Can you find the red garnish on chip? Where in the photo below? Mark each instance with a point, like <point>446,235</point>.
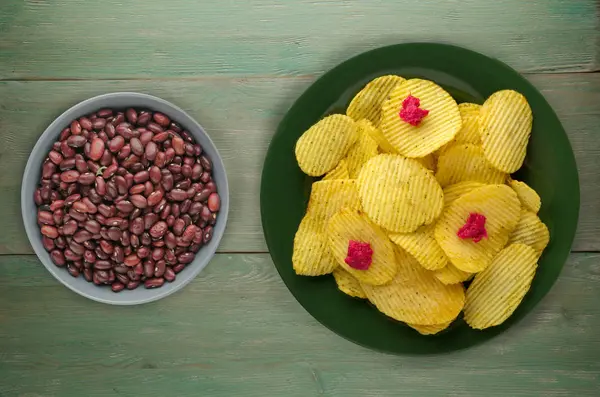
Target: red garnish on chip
<point>474,228</point>
<point>410,112</point>
<point>360,255</point>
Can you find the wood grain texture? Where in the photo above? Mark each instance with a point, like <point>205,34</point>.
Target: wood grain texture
<point>182,38</point>
<point>236,330</point>
<point>241,115</point>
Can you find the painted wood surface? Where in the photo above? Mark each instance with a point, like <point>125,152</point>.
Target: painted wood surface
<point>237,66</point>
<point>237,331</point>
<point>139,38</point>
<point>241,115</point>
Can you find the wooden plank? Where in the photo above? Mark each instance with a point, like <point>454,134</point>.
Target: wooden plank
<point>236,330</point>
<point>132,39</point>
<point>241,116</point>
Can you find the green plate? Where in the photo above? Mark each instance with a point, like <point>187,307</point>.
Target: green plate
<point>469,77</point>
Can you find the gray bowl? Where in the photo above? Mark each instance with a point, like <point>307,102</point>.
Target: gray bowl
<point>31,177</point>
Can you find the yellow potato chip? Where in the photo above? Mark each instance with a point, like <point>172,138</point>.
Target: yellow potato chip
<point>414,296</point>
<point>435,130</point>
<point>375,133</point>
<point>399,194</point>
<point>421,244</point>
<point>530,231</point>
<point>311,256</point>
<point>452,192</point>
<point>529,197</point>
<point>351,225</point>
<point>505,126</point>
<point>367,103</point>
<point>451,275</point>
<point>469,133</point>
<point>428,162</point>
<point>339,172</point>
<point>364,148</point>
<point>502,210</point>
<point>430,329</point>
<point>466,162</point>
<point>329,197</point>
<point>324,144</point>
<point>496,292</point>
<point>348,284</point>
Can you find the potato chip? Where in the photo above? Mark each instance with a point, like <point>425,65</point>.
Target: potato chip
<point>530,231</point>
<point>496,292</point>
<point>428,162</point>
<point>348,284</point>
<point>339,172</point>
<point>505,126</point>
<point>329,197</point>
<point>351,225</point>
<point>415,296</point>
<point>311,256</point>
<point>324,144</point>
<point>399,194</point>
<point>367,103</point>
<point>451,275</point>
<point>502,210</point>
<point>430,329</point>
<point>466,162</point>
<point>469,132</point>
<point>364,148</point>
<point>529,197</point>
<point>453,192</point>
<point>421,244</point>
<point>435,130</point>
<point>375,133</point>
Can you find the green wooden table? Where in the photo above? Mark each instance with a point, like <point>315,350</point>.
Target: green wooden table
<point>237,66</point>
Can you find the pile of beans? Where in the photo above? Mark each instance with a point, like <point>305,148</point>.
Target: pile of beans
<point>126,198</point>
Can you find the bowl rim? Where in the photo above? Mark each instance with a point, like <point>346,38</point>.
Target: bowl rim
<point>33,233</point>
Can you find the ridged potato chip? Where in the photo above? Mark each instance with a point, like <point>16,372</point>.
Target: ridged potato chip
<point>430,329</point>
<point>502,210</point>
<point>416,297</point>
<point>466,162</point>
<point>421,244</point>
<point>364,149</point>
<point>496,292</point>
<point>348,284</point>
<point>329,197</point>
<point>367,103</point>
<point>469,133</point>
<point>311,256</point>
<point>324,144</point>
<point>452,192</point>
<point>451,275</point>
<point>505,126</point>
<point>375,133</point>
<point>399,194</point>
<point>529,197</point>
<point>530,231</point>
<point>339,172</point>
<point>351,225</point>
<point>435,130</point>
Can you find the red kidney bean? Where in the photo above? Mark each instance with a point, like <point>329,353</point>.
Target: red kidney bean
<point>48,243</point>
<point>139,201</point>
<point>178,268</point>
<point>177,195</point>
<point>66,150</point>
<point>70,255</point>
<point>58,258</point>
<point>157,253</point>
<point>160,137</point>
<point>99,123</point>
<point>85,123</point>
<point>86,179</point>
<point>75,127</point>
<point>154,282</point>
<point>76,141</point>
<point>178,145</point>
<point>104,113</point>
<point>185,258</point>
<point>107,247</point>
<point>148,269</point>
<point>170,240</point>
<point>55,157</point>
<point>96,149</point>
<point>158,230</point>
<point>82,235</point>
<point>67,164</point>
<point>125,206</point>
<point>45,218</point>
<point>137,226</point>
<point>48,169</point>
<point>131,260</point>
<point>160,160</point>
<point>169,275</point>
<point>106,159</point>
<point>49,231</point>
<point>136,147</point>
<point>116,144</point>
<point>155,197</point>
<point>154,127</point>
<point>117,286</point>
<point>102,265</point>
<point>143,118</point>
<point>131,115</point>
<point>79,206</point>
<point>214,202</point>
<point>159,268</point>
<point>161,119</point>
<point>92,226</point>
